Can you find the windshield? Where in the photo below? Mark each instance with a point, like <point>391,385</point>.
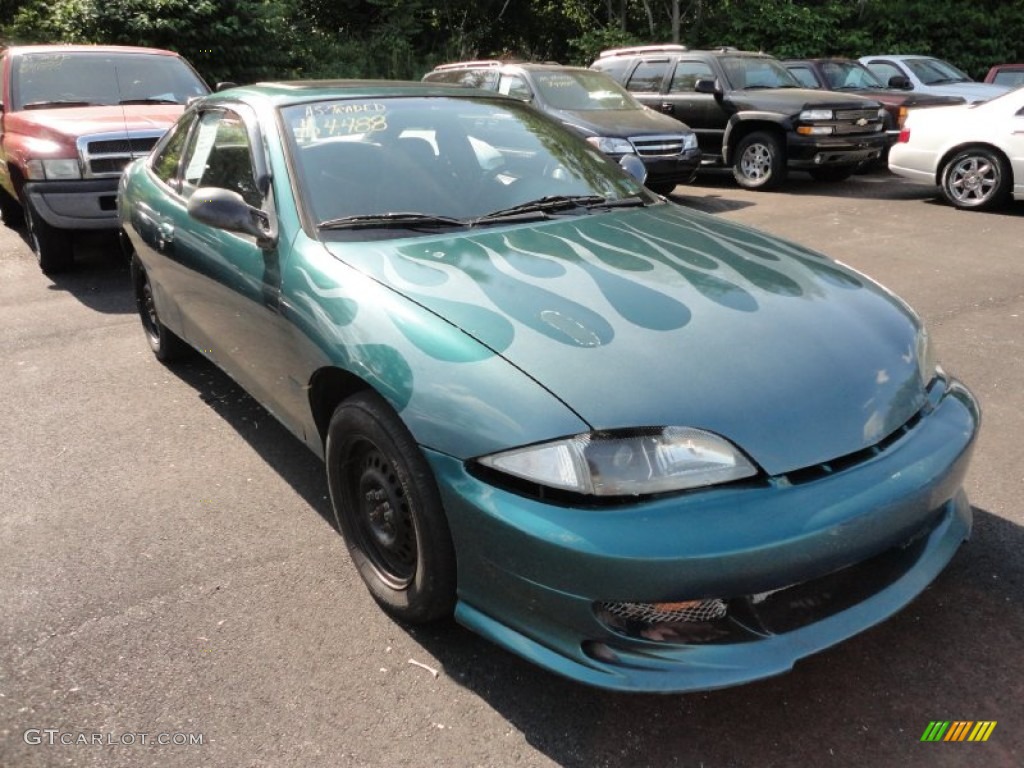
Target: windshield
<point>936,71</point>
<point>582,91</point>
<point>440,161</point>
<point>749,72</point>
<point>845,75</point>
<point>46,80</point>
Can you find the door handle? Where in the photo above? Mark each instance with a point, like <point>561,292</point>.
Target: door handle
<point>666,107</point>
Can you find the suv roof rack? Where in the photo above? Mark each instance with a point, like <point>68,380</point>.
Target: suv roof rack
<point>470,64</point>
<point>632,49</point>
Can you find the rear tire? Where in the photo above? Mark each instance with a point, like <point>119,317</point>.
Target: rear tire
<point>53,247</point>
<point>976,179</point>
<point>759,162</point>
<point>389,510</point>
<point>166,345</point>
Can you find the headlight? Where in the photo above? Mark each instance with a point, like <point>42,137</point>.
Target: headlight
<point>632,463</point>
<point>54,169</point>
<point>689,141</point>
<point>816,114</point>
<point>611,146</point>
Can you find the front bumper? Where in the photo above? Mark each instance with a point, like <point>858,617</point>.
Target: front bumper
<point>807,152</point>
<point>681,168</point>
<point>533,576</point>
<point>84,204</point>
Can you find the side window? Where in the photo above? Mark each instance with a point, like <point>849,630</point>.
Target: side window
<point>219,156</point>
<point>804,76</point>
<point>648,76</point>
<point>686,75</point>
<point>515,86</point>
<point>884,70</point>
<point>166,161</point>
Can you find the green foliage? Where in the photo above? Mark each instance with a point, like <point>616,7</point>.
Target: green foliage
<point>245,40</point>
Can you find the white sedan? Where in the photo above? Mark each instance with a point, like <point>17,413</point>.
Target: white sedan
<point>974,152</point>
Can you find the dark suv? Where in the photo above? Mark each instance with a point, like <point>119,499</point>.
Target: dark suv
<point>596,107</point>
<point>750,113</point>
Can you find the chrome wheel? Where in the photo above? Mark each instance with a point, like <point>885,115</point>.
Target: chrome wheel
<point>756,162</point>
<point>759,162</point>
<point>976,178</point>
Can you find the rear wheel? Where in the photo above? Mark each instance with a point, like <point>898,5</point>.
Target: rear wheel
<point>166,346</point>
<point>833,173</point>
<point>52,246</point>
<point>389,510</point>
<point>759,161</point>
<point>976,178</point>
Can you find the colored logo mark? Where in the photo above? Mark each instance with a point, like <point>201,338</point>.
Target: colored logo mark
<point>958,730</point>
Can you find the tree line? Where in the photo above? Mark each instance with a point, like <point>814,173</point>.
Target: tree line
<point>250,40</point>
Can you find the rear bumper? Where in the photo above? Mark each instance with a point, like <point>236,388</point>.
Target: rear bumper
<point>801,567</point>
<point>86,204</point>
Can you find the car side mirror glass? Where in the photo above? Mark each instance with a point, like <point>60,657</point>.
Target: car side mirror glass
<point>634,166</point>
<point>706,85</point>
<point>225,209</point>
<point>899,81</point>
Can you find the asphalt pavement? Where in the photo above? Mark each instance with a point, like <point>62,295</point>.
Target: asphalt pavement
<point>173,593</point>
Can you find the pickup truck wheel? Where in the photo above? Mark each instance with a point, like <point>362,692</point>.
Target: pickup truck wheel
<point>661,187</point>
<point>833,173</point>
<point>166,346</point>
<point>10,210</point>
<point>977,179</point>
<point>760,162</point>
<point>52,246</point>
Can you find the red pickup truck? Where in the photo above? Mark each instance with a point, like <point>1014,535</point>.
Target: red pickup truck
<point>71,118</point>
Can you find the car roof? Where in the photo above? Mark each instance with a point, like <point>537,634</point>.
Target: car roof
<point>18,50</point>
<point>287,92</point>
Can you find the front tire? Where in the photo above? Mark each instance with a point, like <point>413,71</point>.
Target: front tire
<point>662,187</point>
<point>53,247</point>
<point>759,162</point>
<point>833,172</point>
<point>10,210</point>
<point>389,510</point>
<point>166,345</point>
<point>976,179</point>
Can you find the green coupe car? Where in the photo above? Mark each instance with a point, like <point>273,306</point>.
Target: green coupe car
<point>640,446</point>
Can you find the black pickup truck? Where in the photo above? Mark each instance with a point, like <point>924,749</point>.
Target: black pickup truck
<point>750,113</point>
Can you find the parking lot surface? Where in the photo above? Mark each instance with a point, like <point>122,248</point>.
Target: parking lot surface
<point>168,571</point>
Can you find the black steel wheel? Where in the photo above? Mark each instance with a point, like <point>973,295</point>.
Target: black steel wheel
<point>388,508</point>
<point>976,179</point>
<point>166,345</point>
<point>759,161</point>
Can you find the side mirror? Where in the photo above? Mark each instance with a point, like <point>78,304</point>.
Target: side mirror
<point>901,82</point>
<point>706,85</point>
<point>224,209</point>
<point>634,166</point>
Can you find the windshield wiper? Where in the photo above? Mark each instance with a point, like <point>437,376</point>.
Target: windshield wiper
<point>554,203</point>
<point>58,103</point>
<point>381,220</point>
<point>152,100</point>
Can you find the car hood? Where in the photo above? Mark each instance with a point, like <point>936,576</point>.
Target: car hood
<point>620,123</point>
<point>662,316</point>
<point>81,121</point>
<point>893,96</point>
<point>969,91</point>
<point>793,100</point>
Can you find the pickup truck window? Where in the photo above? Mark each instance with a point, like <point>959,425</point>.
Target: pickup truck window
<point>85,79</point>
<point>648,76</point>
<point>684,79</point>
